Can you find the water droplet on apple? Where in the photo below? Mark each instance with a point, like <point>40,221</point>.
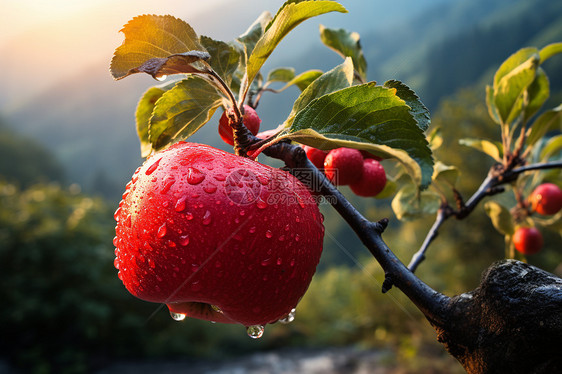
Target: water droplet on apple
<point>261,204</point>
<point>161,78</point>
<point>168,183</point>
<point>116,214</point>
<point>194,176</point>
<point>282,238</point>
<point>177,316</point>
<point>152,167</point>
<point>207,218</point>
<point>184,240</point>
<point>252,230</point>
<point>180,204</point>
<point>268,234</point>
<point>288,318</point>
<point>188,216</point>
<point>162,231</point>
<point>255,331</point>
<point>210,188</point>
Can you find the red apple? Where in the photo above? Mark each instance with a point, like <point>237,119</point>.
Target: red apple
<point>250,118</point>
<point>217,236</point>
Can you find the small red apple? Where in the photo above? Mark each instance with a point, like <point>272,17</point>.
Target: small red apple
<point>250,118</point>
<point>316,156</point>
<point>546,199</point>
<point>343,166</point>
<point>527,240</point>
<point>217,236</point>
<point>372,181</point>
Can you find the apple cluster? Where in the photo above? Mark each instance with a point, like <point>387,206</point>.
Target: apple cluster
<point>360,170</point>
<point>546,199</point>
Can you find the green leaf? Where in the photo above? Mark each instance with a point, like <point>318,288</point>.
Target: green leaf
<point>290,16</point>
<point>409,203</point>
<point>144,112</point>
<point>492,109</point>
<point>549,120</point>
<point>492,149</point>
<point>191,62</point>
<point>552,146</point>
<point>367,117</point>
<point>549,51</point>
<point>281,75</point>
<point>346,44</point>
<point>418,110</point>
<point>253,34</point>
<point>511,86</point>
<point>513,62</point>
<point>225,58</point>
<point>181,111</point>
<point>304,79</point>
<point>500,216</point>
<point>151,36</point>
<point>339,77</point>
<point>445,173</point>
<point>538,93</point>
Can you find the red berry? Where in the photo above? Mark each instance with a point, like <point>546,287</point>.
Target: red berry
<point>367,154</point>
<point>217,236</point>
<point>343,166</point>
<point>316,156</point>
<point>546,199</point>
<point>251,121</point>
<point>527,240</point>
<point>372,181</point>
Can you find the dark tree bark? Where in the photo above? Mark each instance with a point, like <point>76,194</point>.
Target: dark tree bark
<point>512,323</point>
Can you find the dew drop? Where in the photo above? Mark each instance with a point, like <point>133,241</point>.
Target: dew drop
<point>152,167</point>
<point>115,241</point>
<point>184,240</point>
<point>261,204</point>
<point>188,216</point>
<point>268,234</point>
<point>116,214</point>
<point>255,331</point>
<point>151,263</point>
<point>128,221</point>
<point>266,262</point>
<point>279,261</point>
<point>207,218</point>
<point>252,229</point>
<point>220,177</point>
<point>282,238</point>
<point>194,176</point>
<point>210,188</point>
<point>167,185</point>
<point>288,318</point>
<point>162,231</point>
<point>287,227</point>
<point>180,204</point>
<point>160,79</point>
<point>177,316</point>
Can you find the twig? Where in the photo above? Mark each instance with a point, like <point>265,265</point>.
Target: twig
<point>489,187</point>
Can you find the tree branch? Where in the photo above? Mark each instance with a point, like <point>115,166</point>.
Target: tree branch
<point>430,302</point>
<point>492,184</point>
